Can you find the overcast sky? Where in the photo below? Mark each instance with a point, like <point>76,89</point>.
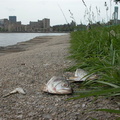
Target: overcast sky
<point>56,10</point>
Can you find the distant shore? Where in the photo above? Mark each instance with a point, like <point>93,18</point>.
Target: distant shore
<point>38,32</point>
<point>23,46</point>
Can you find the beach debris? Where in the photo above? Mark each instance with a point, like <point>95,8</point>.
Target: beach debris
<point>16,90</point>
<point>22,63</point>
<point>111,32</point>
<point>46,64</point>
<point>82,75</point>
<point>57,85</point>
<point>83,105</point>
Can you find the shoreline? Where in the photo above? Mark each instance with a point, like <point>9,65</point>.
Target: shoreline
<point>25,45</point>
<point>37,32</point>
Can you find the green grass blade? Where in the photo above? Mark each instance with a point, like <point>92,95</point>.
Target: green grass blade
<point>97,93</point>
<point>109,110</point>
<point>107,83</point>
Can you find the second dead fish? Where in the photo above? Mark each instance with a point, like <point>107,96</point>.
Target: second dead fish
<point>82,75</point>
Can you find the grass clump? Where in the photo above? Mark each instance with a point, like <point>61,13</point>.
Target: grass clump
<point>98,51</point>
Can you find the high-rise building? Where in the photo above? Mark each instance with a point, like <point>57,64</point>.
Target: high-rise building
<point>116,1</point>
<point>12,19</point>
<point>116,14</point>
<point>3,22</point>
<point>46,23</point>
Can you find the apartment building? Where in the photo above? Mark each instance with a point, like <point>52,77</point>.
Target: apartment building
<point>35,26</point>
<point>40,25</point>
<point>4,23</point>
<point>46,24</point>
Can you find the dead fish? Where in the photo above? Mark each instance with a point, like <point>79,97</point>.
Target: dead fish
<point>16,90</point>
<point>57,85</point>
<point>82,75</point>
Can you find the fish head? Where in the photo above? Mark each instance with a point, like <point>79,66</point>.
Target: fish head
<point>63,87</point>
<point>80,75</point>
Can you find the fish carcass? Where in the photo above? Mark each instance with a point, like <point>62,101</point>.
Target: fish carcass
<point>57,85</point>
<point>82,75</point>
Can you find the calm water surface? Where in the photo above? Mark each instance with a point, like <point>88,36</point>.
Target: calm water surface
<point>13,38</point>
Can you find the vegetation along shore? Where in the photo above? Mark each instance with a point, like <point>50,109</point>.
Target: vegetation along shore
<point>97,51</point>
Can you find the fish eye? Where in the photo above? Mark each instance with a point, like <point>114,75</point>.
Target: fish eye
<point>65,85</point>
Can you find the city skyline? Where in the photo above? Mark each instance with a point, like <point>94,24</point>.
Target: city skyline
<point>12,25</point>
<point>14,19</point>
<point>57,10</point>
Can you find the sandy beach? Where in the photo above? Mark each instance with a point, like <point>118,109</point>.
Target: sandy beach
<point>30,65</point>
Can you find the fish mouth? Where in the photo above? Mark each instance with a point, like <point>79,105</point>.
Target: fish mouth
<point>66,88</point>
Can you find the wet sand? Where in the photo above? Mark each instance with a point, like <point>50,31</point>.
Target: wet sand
<point>23,46</point>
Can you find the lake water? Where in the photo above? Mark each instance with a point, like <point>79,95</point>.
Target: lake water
<point>13,38</point>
